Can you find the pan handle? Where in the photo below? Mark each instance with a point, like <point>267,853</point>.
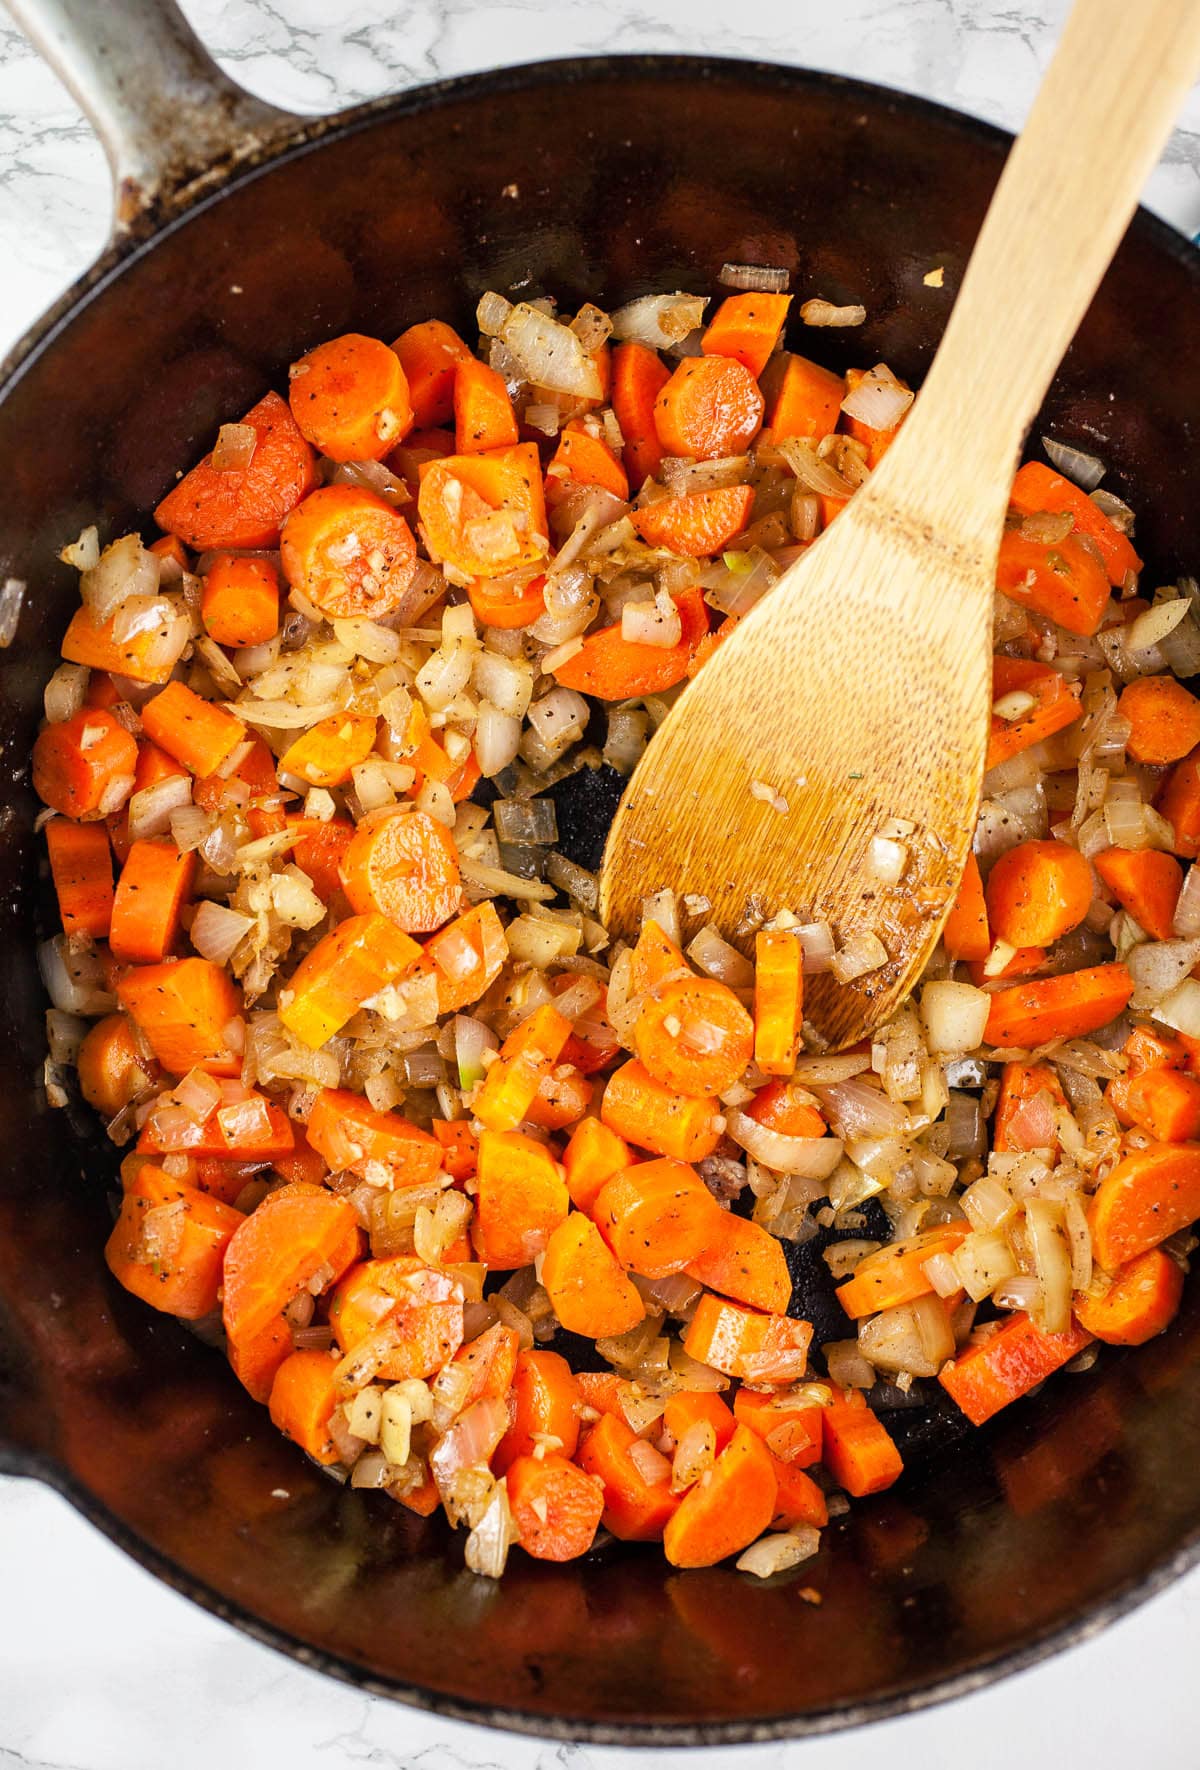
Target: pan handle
<point>170,121</point>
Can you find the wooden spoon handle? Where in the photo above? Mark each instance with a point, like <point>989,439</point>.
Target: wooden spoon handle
<point>1102,116</point>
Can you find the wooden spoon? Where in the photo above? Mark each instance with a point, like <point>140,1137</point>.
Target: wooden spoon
<point>857,693</point>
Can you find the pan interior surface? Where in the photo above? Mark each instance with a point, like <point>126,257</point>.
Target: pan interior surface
<point>600,180</point>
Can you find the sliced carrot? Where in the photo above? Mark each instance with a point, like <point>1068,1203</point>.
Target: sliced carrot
<point>555,1506</point>
<point>239,603</point>
<point>356,960</point>
<point>491,1358</point>
<point>1164,1102</point>
<point>142,656</point>
<point>295,1234</point>
<point>198,733</point>
<point>1056,705</point>
<point>617,669</point>
<point>81,866</point>
<point>423,1500</point>
<point>1179,803</point>
<point>744,1343</point>
<point>638,377</point>
<point>460,1147</point>
<point>1146,883</point>
<point>696,524</point>
<point>1142,1300</point>
<point>688,1406</point>
<point>585,1282</point>
<point>859,1451</point>
<point>991,1372</point>
<point>155,883</point>
<point>430,354</point>
<point>256,1359</point>
<point>788,1424</point>
<point>586,460</point>
<point>966,934</point>
<point>184,1009</point>
<point>1059,579</point>
<point>328,752</point>
<point>406,867</point>
<point>562,1098</point>
<point>802,399</point>
<point>170,547</point>
<point>798,1499</point>
<point>1037,488</point>
<point>593,1044</point>
<point>485,515</point>
<point>1037,892</point>
<point>744,1261</point>
<point>545,1405</point>
<point>381,1146</point>
<point>655,958</point>
<point>483,412</point>
<point>243,506</point>
<point>320,849</point>
<point>642,1111</point>
<point>421,1307</point>
<point>349,553</point>
<point>778,1001</point>
<point>169,1242</point>
<point>593,1155</point>
<point>521,1199</point>
<point>1152,1047</point>
<point>710,407</point>
<point>466,957</point>
<point>1147,1197</point>
<point>635,1510</point>
<point>778,1109</point>
<point>302,1402</point>
<point>657,1217</point>
<point>895,1274</point>
<point>84,766</point>
<point>495,604</point>
<point>1067,1007</point>
<point>111,1065</point>
<point>349,398</point>
<point>694,1036</point>
<point>527,1056</point>
<point>746,327</point>
<point>728,1507</point>
<point>1017,1125</point>
<point>1164,719</point>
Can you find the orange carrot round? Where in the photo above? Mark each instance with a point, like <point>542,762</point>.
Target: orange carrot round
<point>302,1401</point>
<point>555,1506</point>
<point>545,1402</point>
<point>727,1509</point>
<point>895,1274</point>
<point>1060,580</point>
<point>859,1451</point>
<point>422,1306</point>
<point>635,1510</point>
<point>744,1261</point>
<point>294,1234</point>
<point>777,1107</point>
<point>1067,1007</point>
<point>243,506</point>
<point>586,1284</point>
<point>638,377</point>
<point>239,603</point>
<point>81,866</point>
<point>84,766</point>
<point>1038,892</point>
<point>429,354</point>
<point>1142,1300</point>
<point>112,1069</point>
<point>778,1001</point>
<point>201,734</point>
<point>1147,1197</point>
<point>496,605</point>
<point>696,524</point>
<point>483,412</point>
<point>168,1244</point>
<point>562,1098</point>
<point>656,1217</point>
<point>1164,717</point>
<point>155,883</point>
<point>710,407</point>
<point>694,1036</point>
<point>802,398</point>
<point>183,1009</point>
<point>966,934</point>
<point>747,327</point>
<point>616,669</point>
<point>406,867</point>
<point>349,398</point>
<point>520,1199</point>
<point>585,459</point>
<point>1146,883</point>
<point>348,552</point>
<point>327,753</point>
<point>643,1111</point>
<point>485,515</point>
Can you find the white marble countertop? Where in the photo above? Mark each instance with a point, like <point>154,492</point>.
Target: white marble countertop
<point>101,1668</point>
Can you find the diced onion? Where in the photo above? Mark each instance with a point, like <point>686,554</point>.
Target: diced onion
<point>1155,624</point>
<point>497,739</point>
<point>878,400</point>
<point>217,931</point>
<point>824,313</point>
<point>658,320</point>
<point>716,958</point>
<point>12,598</point>
<point>861,954</point>
<point>1052,1259</point>
<point>1181,1009</point>
<point>1158,967</point>
<point>955,1016</point>
<point>150,811</point>
<point>811,1158</point>
<point>779,1553</point>
<point>1085,470</point>
<point>63,695</point>
<point>549,353</point>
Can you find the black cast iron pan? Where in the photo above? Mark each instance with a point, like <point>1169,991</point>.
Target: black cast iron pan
<point>245,237</point>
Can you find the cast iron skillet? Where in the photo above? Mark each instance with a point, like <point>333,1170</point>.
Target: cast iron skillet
<point>604,178</point>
